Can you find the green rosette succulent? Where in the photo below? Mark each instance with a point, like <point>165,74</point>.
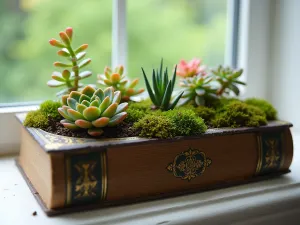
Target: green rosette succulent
<point>92,109</point>
<point>196,89</point>
<point>228,80</point>
<point>119,82</point>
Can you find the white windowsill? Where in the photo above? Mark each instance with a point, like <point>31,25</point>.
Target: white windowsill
<point>274,201</point>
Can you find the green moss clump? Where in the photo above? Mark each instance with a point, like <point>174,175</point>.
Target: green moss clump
<point>206,113</point>
<point>144,105</point>
<point>265,106</point>
<point>49,108</point>
<point>186,122</point>
<point>155,126</point>
<point>134,115</point>
<point>239,114</point>
<point>36,119</point>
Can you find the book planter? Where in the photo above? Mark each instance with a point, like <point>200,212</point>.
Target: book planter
<point>67,174</point>
<point>95,147</point>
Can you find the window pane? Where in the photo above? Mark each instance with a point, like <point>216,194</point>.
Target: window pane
<point>26,57</point>
<point>174,30</point>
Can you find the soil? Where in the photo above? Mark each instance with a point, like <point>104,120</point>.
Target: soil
<point>122,130</point>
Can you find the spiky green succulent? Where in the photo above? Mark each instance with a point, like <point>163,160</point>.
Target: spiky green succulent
<point>119,82</point>
<point>162,88</point>
<point>69,77</point>
<point>196,89</point>
<point>92,109</point>
<point>228,80</point>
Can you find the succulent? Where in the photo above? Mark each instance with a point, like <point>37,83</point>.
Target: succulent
<point>92,109</point>
<point>228,80</point>
<point>69,77</point>
<point>190,69</point>
<point>197,88</point>
<point>119,82</point>
<point>162,88</point>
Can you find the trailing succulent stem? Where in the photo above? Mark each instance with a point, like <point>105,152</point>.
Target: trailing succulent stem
<point>92,109</point>
<point>119,82</point>
<point>69,77</point>
<point>161,93</point>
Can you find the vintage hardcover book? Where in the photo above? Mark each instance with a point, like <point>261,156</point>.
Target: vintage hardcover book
<point>68,173</point>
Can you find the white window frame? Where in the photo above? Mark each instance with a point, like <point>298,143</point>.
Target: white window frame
<point>252,13</point>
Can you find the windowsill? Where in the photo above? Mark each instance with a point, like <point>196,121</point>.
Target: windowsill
<point>275,201</point>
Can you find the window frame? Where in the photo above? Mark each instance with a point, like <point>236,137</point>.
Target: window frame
<point>10,129</point>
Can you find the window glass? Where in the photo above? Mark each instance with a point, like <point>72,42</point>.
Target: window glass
<point>174,30</point>
<point>26,57</point>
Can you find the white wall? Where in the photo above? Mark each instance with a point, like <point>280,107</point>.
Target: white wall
<point>284,76</point>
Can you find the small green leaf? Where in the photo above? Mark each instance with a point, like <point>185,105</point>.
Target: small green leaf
<point>122,107</point>
<point>75,95</point>
<point>151,95</point>
<point>91,113</point>
<point>167,96</point>
<point>95,132</point>
<point>83,124</point>
<point>63,65</point>
<point>68,124</point>
<point>174,103</point>
<point>84,97</point>
<point>199,100</point>
<point>80,55</point>
<point>116,119</point>
<point>85,74</point>
<point>81,48</point>
<point>74,114</point>
<point>86,103</point>
<point>66,74</point>
<point>80,108</point>
<point>95,103</point>
<point>101,122</point>
<point>110,111</point>
<point>64,114</point>
<point>117,97</point>
<point>99,93</point>
<point>72,103</point>
<point>200,91</point>
<point>109,92</point>
<point>88,90</point>
<point>235,89</point>
<point>105,103</point>
<point>174,78</point>
<point>84,63</point>
<point>55,83</point>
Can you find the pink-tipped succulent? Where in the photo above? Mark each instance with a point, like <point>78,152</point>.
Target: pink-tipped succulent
<point>119,82</point>
<point>92,109</point>
<point>190,69</point>
<point>71,75</point>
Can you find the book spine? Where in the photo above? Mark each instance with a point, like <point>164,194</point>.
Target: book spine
<point>143,171</point>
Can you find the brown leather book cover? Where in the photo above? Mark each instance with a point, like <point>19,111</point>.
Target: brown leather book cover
<point>115,171</point>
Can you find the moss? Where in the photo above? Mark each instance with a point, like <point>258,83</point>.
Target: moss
<point>218,103</point>
<point>134,115</point>
<point>206,113</point>
<point>36,119</point>
<point>49,108</point>
<point>265,106</point>
<point>186,122</point>
<point>239,114</point>
<point>155,126</point>
<point>144,105</point>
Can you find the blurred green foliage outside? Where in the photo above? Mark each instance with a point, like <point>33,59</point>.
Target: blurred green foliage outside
<point>169,29</point>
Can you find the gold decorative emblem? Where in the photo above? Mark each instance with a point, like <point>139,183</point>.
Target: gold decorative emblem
<point>272,157</point>
<point>189,164</point>
<point>86,182</point>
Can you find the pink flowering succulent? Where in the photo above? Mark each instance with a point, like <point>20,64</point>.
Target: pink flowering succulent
<point>191,68</point>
